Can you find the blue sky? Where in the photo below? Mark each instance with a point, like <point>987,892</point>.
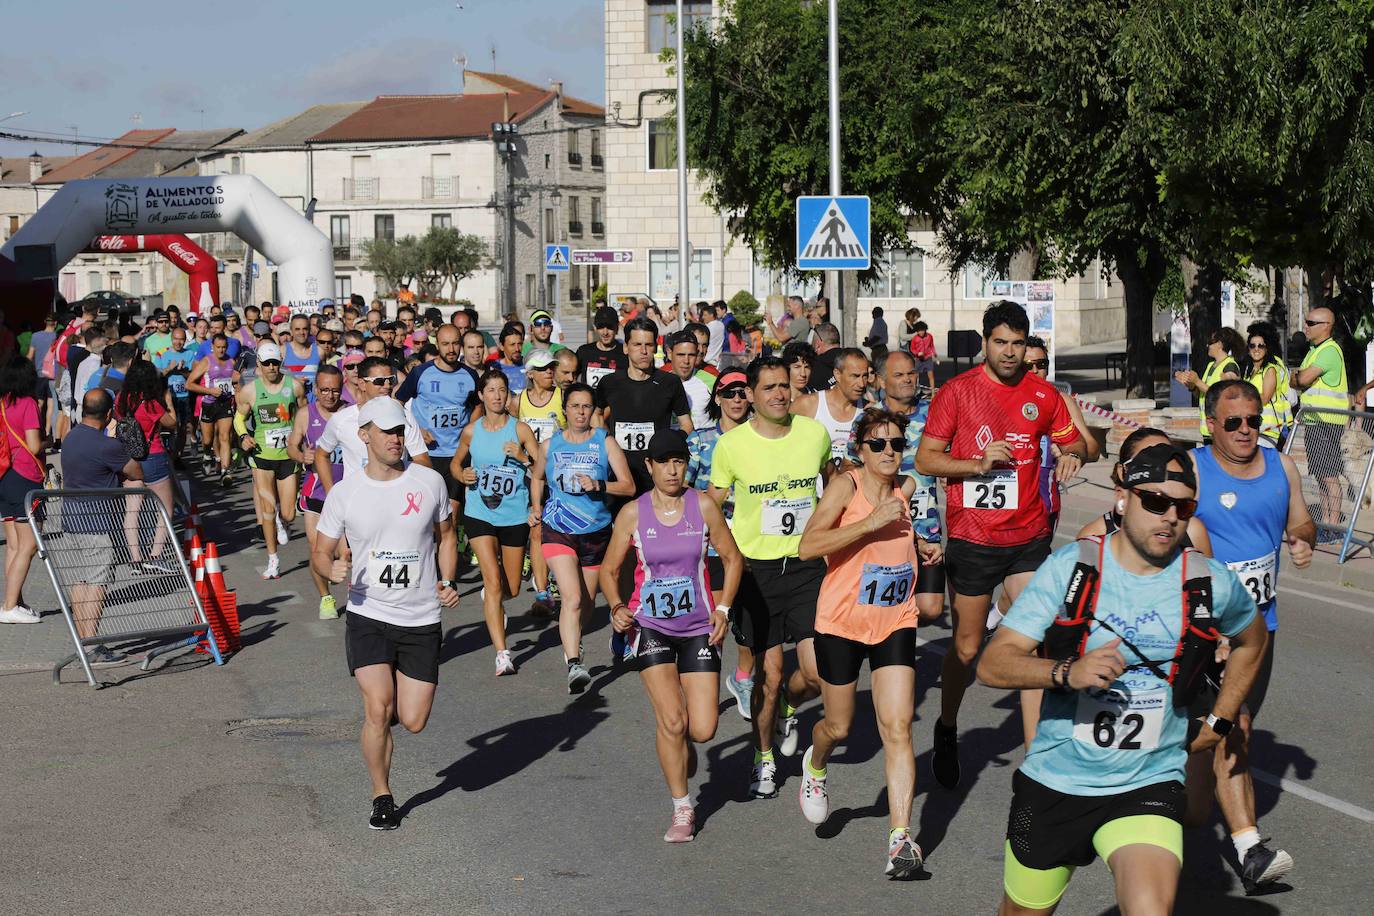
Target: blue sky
<point>94,64</point>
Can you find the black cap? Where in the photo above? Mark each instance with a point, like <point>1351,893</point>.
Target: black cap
<point>1151,465</point>
<point>666,443</point>
<point>606,317</point>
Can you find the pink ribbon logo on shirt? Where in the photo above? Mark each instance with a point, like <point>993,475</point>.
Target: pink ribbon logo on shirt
<point>412,503</point>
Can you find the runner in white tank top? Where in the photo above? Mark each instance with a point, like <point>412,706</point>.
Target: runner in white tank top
<point>851,378</point>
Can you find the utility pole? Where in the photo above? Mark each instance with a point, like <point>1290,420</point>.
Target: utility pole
<point>683,246</point>
<point>503,133</point>
<point>833,285</point>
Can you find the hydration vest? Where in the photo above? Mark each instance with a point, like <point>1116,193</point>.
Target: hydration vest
<point>1067,637</point>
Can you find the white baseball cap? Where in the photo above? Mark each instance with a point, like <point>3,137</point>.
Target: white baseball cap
<point>383,413</point>
<point>269,351</point>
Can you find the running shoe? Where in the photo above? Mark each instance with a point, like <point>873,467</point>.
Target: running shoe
<point>282,534</point>
<point>105,657</point>
<point>763,780</point>
<point>815,801</point>
<point>1263,866</point>
<point>787,735</point>
<point>504,665</point>
<point>904,857</point>
<point>578,676</point>
<point>944,758</point>
<point>328,610</point>
<point>542,606</point>
<point>684,826</point>
<point>526,569</point>
<point>742,691</point>
<point>18,614</point>
<point>226,479</point>
<point>273,570</point>
<point>555,596</point>
<point>383,814</point>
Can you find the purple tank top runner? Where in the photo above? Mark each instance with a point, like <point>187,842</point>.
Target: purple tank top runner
<point>671,594</point>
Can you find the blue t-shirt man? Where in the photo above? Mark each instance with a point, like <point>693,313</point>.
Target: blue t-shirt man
<point>91,461</point>
<point>440,402</point>
<point>1093,742</point>
<point>203,350</point>
<point>175,365</point>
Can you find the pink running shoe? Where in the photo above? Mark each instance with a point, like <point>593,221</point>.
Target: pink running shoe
<point>684,826</point>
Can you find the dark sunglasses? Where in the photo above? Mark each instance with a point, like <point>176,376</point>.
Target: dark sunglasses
<point>542,323</point>
<point>1158,503</point>
<point>1312,324</point>
<point>381,380</point>
<point>1231,424</point>
<point>1042,364</point>
<point>878,446</point>
<point>1259,346</point>
<point>269,362</point>
<point>325,340</point>
<point>732,394</point>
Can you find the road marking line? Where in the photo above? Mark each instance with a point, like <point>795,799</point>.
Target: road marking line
<point>1285,785</point>
<point>1365,608</point>
<point>1312,795</point>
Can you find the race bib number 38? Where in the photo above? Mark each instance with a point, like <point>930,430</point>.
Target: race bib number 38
<point>1259,576</point>
<point>1113,720</point>
<point>393,568</point>
<point>994,490</point>
<point>785,517</point>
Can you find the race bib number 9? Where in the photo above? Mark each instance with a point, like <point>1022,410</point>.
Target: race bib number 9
<point>1259,576</point>
<point>666,598</point>
<point>992,491</point>
<point>1113,720</point>
<point>785,517</point>
<point>634,437</point>
<point>885,586</point>
<point>276,438</point>
<point>394,568</point>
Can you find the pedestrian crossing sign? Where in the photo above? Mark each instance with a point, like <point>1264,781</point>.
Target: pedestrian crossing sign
<point>556,257</point>
<point>833,233</point>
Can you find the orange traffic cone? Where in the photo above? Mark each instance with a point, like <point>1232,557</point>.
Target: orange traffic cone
<point>214,573</point>
<point>193,553</point>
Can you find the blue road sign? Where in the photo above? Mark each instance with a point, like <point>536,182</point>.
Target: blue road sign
<point>556,257</point>
<point>833,233</point>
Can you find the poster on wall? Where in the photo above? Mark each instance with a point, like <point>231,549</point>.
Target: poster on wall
<point>1228,304</point>
<point>1037,298</point>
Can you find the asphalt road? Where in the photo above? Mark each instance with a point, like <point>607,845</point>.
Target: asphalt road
<point>240,789</point>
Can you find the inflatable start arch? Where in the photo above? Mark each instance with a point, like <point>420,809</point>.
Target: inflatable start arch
<point>202,271</point>
<point>240,204</point>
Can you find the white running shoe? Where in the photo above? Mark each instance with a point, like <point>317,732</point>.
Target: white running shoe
<point>282,534</point>
<point>273,570</point>
<point>18,614</point>
<point>815,801</point>
<point>504,665</point>
<point>763,780</point>
<point>787,735</point>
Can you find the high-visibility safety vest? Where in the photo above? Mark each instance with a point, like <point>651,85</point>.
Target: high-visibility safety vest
<point>1278,413</point>
<point>1210,376</point>
<point>1319,396</point>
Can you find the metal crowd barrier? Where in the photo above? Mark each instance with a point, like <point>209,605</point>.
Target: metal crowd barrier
<point>1334,462</point>
<point>118,571</point>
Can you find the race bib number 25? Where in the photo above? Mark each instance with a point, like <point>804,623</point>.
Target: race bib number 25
<point>994,490</point>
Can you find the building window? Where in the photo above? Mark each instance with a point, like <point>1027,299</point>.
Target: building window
<point>903,278</point>
<point>339,237</point>
<point>574,216</point>
<point>978,282</point>
<point>235,285</point>
<point>116,281</point>
<point>662,144</point>
<point>550,228</point>
<point>235,165</point>
<point>660,31</point>
<point>14,225</point>
<point>531,290</point>
<point>769,282</point>
<point>135,283</point>
<point>276,291</point>
<point>663,275</point>
<point>547,161</point>
<point>597,161</point>
<point>384,227</point>
<point>598,223</point>
<point>343,287</point>
<point>574,148</point>
<point>441,220</point>
<point>92,281</point>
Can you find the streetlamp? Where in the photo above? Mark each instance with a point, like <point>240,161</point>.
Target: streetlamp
<point>554,195</point>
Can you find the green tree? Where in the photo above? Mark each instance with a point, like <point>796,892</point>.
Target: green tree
<point>386,259</point>
<point>745,308</point>
<point>448,257</point>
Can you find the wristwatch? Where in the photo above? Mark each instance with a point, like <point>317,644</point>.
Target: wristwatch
<point>1219,725</point>
<point>449,583</point>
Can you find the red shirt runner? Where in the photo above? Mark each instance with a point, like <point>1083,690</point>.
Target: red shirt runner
<point>1002,508</point>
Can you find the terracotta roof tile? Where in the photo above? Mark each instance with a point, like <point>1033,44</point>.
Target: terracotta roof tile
<point>102,157</point>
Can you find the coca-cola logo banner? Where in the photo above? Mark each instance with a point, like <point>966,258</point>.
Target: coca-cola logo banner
<point>194,200</point>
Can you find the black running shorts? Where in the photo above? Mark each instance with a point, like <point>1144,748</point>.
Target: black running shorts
<point>977,569</point>
<point>779,602</point>
<point>281,468</point>
<point>413,651</point>
<point>838,660</point>
<point>506,535</point>
<point>691,654</point>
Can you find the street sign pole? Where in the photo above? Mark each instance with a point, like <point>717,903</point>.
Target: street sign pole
<point>682,263</point>
<point>833,287</point>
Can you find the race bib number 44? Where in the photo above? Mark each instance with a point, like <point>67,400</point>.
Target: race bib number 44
<point>1114,720</point>
<point>393,569</point>
<point>1259,576</point>
<point>634,437</point>
<point>785,517</point>
<point>993,490</point>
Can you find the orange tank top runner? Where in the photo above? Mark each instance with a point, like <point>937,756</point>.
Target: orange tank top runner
<point>869,591</point>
